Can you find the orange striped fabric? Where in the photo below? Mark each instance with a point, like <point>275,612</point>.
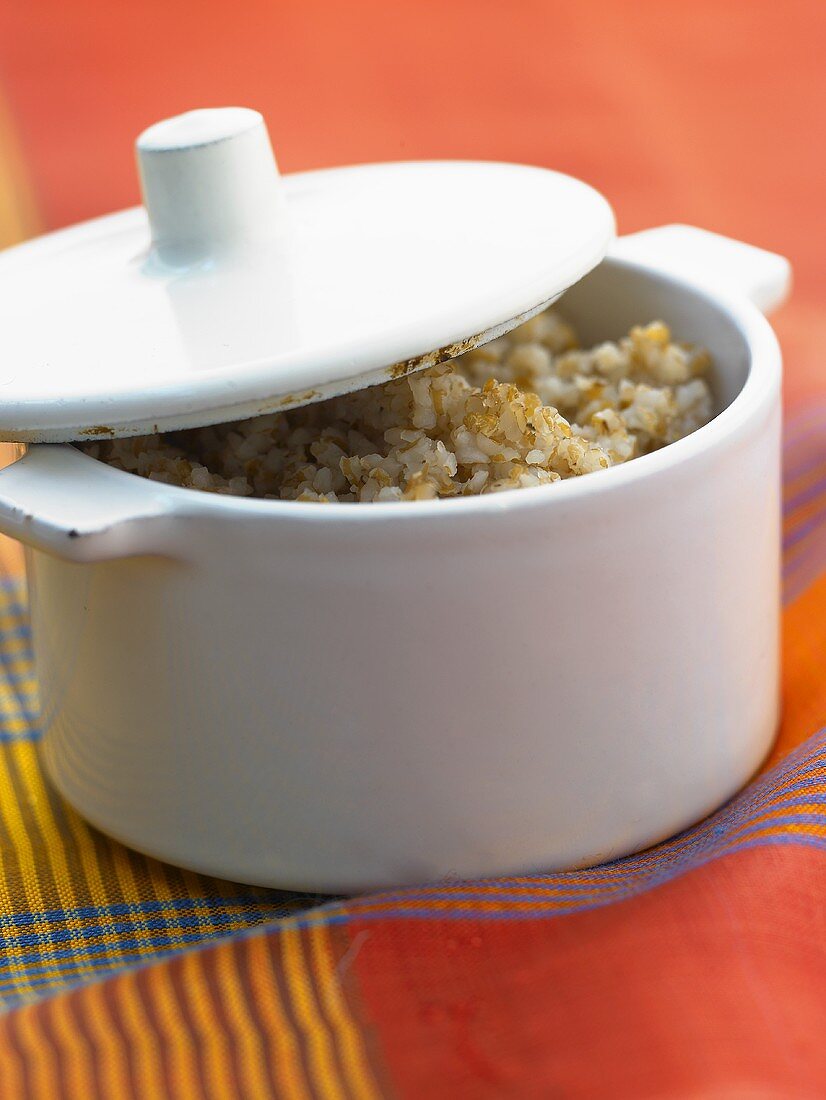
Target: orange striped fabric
<point>265,1018</point>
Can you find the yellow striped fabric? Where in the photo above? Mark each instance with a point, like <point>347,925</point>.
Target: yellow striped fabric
<point>265,1016</point>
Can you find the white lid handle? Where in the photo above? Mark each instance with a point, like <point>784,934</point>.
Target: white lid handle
<point>210,183</point>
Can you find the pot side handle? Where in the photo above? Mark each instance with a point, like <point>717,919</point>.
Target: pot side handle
<point>714,262</point>
<point>49,501</point>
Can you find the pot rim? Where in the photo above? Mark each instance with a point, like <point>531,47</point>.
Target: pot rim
<point>759,390</point>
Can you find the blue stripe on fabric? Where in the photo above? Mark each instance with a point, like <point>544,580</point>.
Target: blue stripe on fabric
<point>119,950</point>
<point>23,706</point>
<point>136,908</point>
<point>91,931</point>
<point>15,679</point>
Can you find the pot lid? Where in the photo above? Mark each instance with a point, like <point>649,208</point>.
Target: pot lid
<point>236,291</point>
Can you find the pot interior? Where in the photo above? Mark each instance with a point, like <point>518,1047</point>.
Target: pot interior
<point>616,295</point>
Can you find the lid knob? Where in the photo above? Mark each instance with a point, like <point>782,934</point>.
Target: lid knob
<point>210,183</point>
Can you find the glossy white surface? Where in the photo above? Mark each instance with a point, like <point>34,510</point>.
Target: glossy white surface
<point>210,187</point>
<point>351,696</point>
<point>261,292</point>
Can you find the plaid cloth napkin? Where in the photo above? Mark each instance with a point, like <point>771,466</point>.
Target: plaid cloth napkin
<point>694,969</point>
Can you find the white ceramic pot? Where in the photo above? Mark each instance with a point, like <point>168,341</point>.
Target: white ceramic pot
<point>349,696</point>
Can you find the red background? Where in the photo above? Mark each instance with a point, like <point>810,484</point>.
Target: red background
<point>708,112</point>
